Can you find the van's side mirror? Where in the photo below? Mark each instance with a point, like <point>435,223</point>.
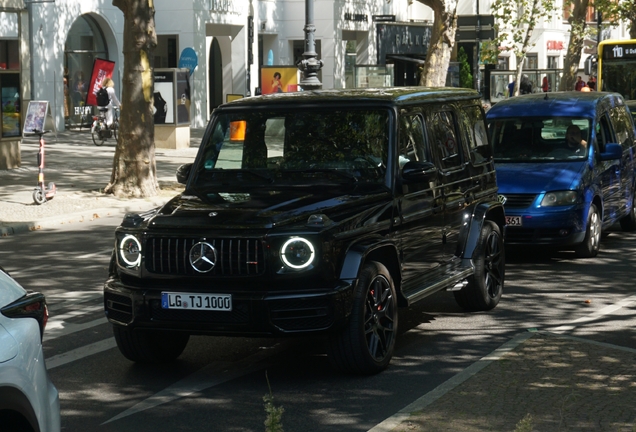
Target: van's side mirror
<point>612,151</point>
<point>415,171</point>
<point>183,172</point>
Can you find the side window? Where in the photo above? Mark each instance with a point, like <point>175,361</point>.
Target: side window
<point>622,126</point>
<point>412,140</point>
<point>478,144</point>
<point>603,133</point>
<point>443,137</point>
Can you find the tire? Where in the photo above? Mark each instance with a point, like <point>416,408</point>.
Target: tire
<point>39,197</point>
<point>485,286</point>
<point>98,139</point>
<point>592,241</point>
<point>366,344</point>
<point>115,129</point>
<point>150,346</point>
<point>628,223</point>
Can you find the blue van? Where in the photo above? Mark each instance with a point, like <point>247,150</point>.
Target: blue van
<point>565,167</point>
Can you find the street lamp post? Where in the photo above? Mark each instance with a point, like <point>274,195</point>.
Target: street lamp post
<point>310,64</point>
<point>250,53</point>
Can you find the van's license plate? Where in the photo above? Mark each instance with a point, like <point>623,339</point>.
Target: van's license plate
<point>196,301</point>
<point>513,220</point>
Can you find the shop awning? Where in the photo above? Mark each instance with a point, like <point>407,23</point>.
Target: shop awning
<point>405,59</point>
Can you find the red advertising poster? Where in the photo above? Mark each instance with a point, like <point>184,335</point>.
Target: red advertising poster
<point>101,69</point>
<point>279,79</point>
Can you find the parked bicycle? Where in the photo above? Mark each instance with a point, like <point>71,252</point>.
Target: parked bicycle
<point>100,131</point>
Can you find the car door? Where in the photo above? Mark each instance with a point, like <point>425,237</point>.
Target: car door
<point>455,180</point>
<point>609,171</point>
<point>624,133</point>
<point>421,215</point>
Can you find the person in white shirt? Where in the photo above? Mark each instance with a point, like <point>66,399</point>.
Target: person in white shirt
<point>109,84</point>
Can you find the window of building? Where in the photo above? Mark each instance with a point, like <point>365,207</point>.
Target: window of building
<point>9,55</point>
<point>553,62</point>
<point>503,63</point>
<point>10,99</point>
<point>531,61</point>
<point>166,53</point>
<point>84,43</point>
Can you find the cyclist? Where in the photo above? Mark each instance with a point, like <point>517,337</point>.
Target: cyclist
<point>109,85</point>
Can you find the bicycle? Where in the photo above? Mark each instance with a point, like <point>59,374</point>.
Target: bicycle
<point>99,131</point>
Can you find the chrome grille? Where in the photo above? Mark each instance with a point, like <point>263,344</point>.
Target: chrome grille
<point>235,257</point>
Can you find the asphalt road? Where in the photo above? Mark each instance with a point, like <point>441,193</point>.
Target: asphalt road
<point>218,383</point>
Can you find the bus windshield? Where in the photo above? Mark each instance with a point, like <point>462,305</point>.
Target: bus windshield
<point>620,77</point>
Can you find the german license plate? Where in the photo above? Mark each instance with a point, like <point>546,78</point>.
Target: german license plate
<point>196,301</point>
<point>513,220</point>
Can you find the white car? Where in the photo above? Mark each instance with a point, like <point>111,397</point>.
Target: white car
<point>29,401</point>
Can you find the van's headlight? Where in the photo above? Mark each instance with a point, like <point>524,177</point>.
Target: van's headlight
<point>129,249</point>
<point>560,198</point>
<point>297,253</point>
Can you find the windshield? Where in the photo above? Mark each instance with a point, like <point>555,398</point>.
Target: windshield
<point>619,77</point>
<point>540,139</point>
<point>296,146</point>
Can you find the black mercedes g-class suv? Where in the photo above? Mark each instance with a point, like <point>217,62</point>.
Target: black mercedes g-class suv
<point>315,212</point>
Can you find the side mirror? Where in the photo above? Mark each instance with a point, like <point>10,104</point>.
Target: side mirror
<point>418,171</point>
<point>183,172</point>
<point>612,151</point>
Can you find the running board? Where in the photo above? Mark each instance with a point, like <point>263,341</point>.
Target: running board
<point>451,282</point>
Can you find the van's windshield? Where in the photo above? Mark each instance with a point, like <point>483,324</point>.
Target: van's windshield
<point>540,139</point>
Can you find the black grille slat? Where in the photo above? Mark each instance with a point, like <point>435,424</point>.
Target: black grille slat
<point>235,257</point>
<point>519,200</point>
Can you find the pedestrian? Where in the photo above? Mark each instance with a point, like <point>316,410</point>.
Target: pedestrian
<point>511,88</point>
<point>579,83</point>
<point>109,85</point>
<point>592,83</point>
<point>545,86</point>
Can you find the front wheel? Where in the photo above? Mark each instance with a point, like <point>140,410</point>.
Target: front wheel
<point>39,197</point>
<point>485,286</point>
<point>366,345</point>
<point>98,138</point>
<point>150,346</point>
<point>592,241</point>
<point>115,129</point>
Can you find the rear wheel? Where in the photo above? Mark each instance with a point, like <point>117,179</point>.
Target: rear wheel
<point>115,129</point>
<point>367,343</point>
<point>96,132</point>
<point>485,286</point>
<point>150,346</point>
<point>39,197</point>
<point>592,241</point>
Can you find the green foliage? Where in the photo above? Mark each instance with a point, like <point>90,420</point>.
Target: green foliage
<point>273,422</point>
<point>465,75</point>
<point>614,12</point>
<point>525,424</point>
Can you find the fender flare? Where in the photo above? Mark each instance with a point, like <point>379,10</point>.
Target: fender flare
<point>357,254</point>
<point>493,211</point>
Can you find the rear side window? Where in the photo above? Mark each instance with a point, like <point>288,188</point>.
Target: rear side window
<point>444,138</point>
<point>622,126</point>
<point>478,144</point>
<point>412,141</point>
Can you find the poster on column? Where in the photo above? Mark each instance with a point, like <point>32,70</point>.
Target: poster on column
<point>183,97</point>
<point>164,97</point>
<point>279,79</point>
<point>102,69</point>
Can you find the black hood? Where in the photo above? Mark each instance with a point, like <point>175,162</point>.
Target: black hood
<point>261,208</point>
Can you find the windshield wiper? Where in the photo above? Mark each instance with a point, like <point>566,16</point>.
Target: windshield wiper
<point>340,173</point>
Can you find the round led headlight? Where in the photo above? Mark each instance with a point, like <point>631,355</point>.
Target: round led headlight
<point>297,253</point>
<point>130,251</point>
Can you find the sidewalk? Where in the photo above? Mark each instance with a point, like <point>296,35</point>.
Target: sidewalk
<point>80,170</point>
<point>561,383</point>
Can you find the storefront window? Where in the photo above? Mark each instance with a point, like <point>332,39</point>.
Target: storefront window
<point>84,44</point>
<point>9,55</point>
<point>10,99</point>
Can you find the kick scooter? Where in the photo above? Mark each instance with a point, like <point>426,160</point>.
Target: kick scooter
<point>42,193</point>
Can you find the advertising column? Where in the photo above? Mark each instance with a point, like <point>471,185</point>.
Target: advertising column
<point>172,108</point>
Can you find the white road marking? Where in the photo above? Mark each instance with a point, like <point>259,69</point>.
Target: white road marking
<point>61,328</point>
<point>595,315</point>
<point>80,353</point>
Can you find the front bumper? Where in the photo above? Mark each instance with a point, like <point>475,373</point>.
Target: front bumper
<point>553,228</point>
<point>253,313</point>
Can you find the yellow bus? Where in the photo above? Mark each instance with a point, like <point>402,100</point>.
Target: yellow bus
<point>617,67</point>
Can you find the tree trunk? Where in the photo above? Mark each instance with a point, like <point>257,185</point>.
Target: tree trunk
<point>632,29</point>
<point>442,42</point>
<point>524,51</point>
<point>573,54</point>
<point>134,166</point>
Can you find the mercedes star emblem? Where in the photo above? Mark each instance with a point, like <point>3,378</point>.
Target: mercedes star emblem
<point>203,257</point>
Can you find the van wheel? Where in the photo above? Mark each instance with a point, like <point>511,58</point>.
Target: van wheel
<point>150,346</point>
<point>592,241</point>
<point>366,345</point>
<point>485,286</point>
<point>628,223</point>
